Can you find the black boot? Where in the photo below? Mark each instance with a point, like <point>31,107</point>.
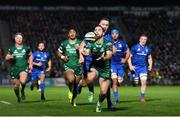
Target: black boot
<point>42,97</point>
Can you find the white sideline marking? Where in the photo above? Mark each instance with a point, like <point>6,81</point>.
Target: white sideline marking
<point>4,102</point>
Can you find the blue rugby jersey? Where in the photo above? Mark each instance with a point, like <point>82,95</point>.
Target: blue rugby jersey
<point>140,55</point>
<point>121,48</point>
<point>43,57</point>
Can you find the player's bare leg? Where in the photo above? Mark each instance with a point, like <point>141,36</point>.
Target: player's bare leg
<point>16,84</point>
<point>76,82</point>
<point>82,83</point>
<point>70,81</point>
<point>104,86</point>
<point>22,78</point>
<point>90,83</point>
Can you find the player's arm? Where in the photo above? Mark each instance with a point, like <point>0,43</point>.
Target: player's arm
<point>9,55</point>
<point>127,55</point>
<point>30,60</point>
<point>39,64</point>
<point>150,62</point>
<point>81,52</point>
<point>63,57</point>
<point>86,50</point>
<point>60,53</point>
<point>131,67</point>
<point>108,55</point>
<point>109,51</point>
<point>114,49</point>
<point>49,65</point>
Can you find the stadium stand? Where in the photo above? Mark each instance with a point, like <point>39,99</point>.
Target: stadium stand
<point>51,26</point>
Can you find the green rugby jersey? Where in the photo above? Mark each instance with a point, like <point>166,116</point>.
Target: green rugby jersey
<point>97,50</point>
<point>67,48</point>
<point>20,56</point>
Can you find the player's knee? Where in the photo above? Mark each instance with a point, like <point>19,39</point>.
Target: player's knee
<point>103,92</point>
<point>113,76</point>
<point>143,76</point>
<point>91,77</point>
<point>16,86</point>
<point>120,80</point>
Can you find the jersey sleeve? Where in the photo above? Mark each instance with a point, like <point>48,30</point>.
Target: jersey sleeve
<point>10,51</point>
<point>49,56</point>
<point>109,46</point>
<point>61,48</point>
<point>88,46</point>
<point>133,50</point>
<point>149,51</point>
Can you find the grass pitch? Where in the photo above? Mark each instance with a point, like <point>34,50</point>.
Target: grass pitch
<point>160,101</point>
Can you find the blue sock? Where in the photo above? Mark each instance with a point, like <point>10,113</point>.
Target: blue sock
<point>116,96</point>
<point>142,95</point>
<point>42,87</point>
<point>79,87</point>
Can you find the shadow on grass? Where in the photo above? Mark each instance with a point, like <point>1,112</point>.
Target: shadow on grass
<point>155,99</point>
<point>37,101</point>
<point>82,104</point>
<point>117,109</point>
<point>147,100</point>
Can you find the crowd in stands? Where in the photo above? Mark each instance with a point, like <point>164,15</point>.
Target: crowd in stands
<point>51,26</point>
<point>164,37</point>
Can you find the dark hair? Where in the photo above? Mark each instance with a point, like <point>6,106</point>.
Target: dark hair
<point>101,27</point>
<point>41,42</point>
<point>144,35</point>
<point>104,19</point>
<point>72,27</point>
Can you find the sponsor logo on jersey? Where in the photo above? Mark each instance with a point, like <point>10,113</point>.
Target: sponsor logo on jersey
<point>68,46</point>
<point>102,50</point>
<point>15,52</point>
<point>23,50</point>
<point>120,45</point>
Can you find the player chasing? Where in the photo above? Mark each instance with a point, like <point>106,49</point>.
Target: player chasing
<point>120,56</point>
<point>19,55</point>
<point>104,23</point>
<point>68,51</point>
<point>101,51</point>
<point>40,58</point>
<point>140,62</point>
